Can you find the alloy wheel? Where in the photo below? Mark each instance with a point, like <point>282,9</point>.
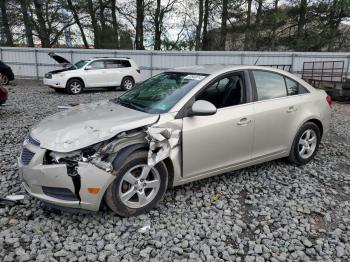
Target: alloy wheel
<point>307,143</point>
<point>128,84</point>
<point>139,186</point>
<point>75,87</point>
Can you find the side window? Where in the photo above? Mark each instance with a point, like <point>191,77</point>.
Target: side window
<point>117,63</point>
<point>98,64</point>
<point>269,85</point>
<point>294,88</point>
<point>225,92</point>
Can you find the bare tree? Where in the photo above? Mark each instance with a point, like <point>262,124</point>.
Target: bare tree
<point>5,23</point>
<point>223,29</point>
<point>158,19</point>
<point>205,40</point>
<point>140,17</point>
<point>27,23</point>
<point>247,26</point>
<point>77,21</point>
<point>115,22</point>
<point>199,25</point>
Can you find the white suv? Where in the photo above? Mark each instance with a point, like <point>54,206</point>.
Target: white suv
<point>95,72</point>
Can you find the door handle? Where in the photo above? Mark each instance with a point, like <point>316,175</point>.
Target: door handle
<point>244,121</point>
<point>291,109</point>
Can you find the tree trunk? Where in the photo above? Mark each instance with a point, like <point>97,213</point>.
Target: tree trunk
<point>157,24</point>
<point>5,24</point>
<point>247,30</point>
<point>27,23</point>
<point>274,27</point>
<point>140,17</point>
<point>205,41</point>
<point>94,24</point>
<point>258,24</point>
<point>115,22</point>
<point>223,30</point>
<point>42,29</point>
<point>199,26</point>
<point>301,24</point>
<point>77,21</point>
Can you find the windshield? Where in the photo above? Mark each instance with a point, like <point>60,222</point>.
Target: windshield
<point>160,93</point>
<point>81,63</point>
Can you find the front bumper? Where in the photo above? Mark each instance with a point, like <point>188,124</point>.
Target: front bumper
<point>54,82</point>
<point>36,176</point>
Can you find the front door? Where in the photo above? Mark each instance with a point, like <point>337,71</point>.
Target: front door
<point>96,76</point>
<point>215,142</point>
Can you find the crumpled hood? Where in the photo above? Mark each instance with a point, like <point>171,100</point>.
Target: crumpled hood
<point>88,124</point>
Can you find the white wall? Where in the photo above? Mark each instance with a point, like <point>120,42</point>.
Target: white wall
<point>35,62</point>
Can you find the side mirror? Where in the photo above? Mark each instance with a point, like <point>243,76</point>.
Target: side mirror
<point>88,67</point>
<point>202,108</point>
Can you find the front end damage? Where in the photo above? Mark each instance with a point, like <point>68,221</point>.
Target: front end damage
<point>80,178</point>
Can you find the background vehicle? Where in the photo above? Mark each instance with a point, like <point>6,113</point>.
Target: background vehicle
<point>180,126</point>
<point>7,74</point>
<point>95,72</point>
<point>3,95</point>
<point>330,76</point>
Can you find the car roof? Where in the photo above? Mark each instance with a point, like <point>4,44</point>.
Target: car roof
<point>119,58</point>
<point>211,69</point>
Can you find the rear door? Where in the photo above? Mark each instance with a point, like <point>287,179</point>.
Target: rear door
<point>276,112</point>
<point>114,69</point>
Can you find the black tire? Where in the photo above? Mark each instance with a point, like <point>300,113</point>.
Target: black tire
<point>5,80</point>
<point>74,86</point>
<point>60,90</point>
<point>295,156</point>
<point>112,196</point>
<point>128,83</point>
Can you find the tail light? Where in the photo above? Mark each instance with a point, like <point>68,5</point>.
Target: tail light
<point>329,100</point>
<point>138,71</point>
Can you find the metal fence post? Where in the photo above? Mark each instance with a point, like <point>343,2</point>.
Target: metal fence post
<point>347,67</point>
<point>196,57</point>
<point>71,56</point>
<point>36,64</point>
<point>292,63</point>
<point>242,58</point>
<point>0,53</point>
<point>151,62</point>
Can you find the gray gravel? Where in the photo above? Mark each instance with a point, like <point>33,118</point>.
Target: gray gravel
<point>271,212</point>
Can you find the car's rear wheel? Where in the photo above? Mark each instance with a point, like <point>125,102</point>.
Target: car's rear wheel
<point>127,83</point>
<point>305,144</point>
<point>137,187</point>
<point>74,86</point>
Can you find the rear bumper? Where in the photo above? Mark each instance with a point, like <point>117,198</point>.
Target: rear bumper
<point>54,83</point>
<point>36,178</point>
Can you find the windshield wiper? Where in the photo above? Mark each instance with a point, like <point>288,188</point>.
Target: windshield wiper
<point>129,104</point>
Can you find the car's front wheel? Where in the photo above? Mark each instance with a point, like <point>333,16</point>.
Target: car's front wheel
<point>137,187</point>
<point>305,144</point>
<point>127,83</point>
<point>74,86</point>
<point>4,79</point>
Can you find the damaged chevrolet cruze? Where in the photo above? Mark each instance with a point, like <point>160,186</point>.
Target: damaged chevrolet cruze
<point>177,127</point>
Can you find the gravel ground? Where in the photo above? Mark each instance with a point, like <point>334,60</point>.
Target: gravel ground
<point>271,212</point>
